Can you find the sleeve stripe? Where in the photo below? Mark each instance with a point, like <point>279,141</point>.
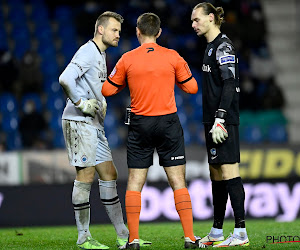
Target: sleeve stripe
<point>114,84</point>
<point>186,80</point>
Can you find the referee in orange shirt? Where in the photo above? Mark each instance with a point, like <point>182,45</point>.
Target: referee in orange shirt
<point>151,72</point>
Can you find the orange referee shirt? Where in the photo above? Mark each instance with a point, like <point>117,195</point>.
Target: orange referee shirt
<point>151,72</point>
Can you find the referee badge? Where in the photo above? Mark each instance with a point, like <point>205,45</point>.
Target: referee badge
<point>210,52</point>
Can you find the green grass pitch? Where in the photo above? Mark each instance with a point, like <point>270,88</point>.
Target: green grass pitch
<point>163,235</point>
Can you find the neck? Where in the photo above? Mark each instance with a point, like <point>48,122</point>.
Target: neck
<point>212,34</point>
<point>147,39</point>
<point>100,44</point>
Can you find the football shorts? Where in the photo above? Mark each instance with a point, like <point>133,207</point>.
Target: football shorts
<point>86,145</point>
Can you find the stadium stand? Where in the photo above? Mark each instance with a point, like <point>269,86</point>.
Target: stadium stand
<point>54,31</point>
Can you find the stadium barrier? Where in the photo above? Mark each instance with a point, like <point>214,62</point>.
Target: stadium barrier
<point>52,167</point>
<point>51,204</point>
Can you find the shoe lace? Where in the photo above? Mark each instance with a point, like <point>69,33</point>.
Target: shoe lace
<point>229,238</point>
<point>93,241</point>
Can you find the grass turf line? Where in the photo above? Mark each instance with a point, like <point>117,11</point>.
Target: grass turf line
<point>163,235</point>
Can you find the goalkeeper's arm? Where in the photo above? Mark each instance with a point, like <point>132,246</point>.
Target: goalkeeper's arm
<point>68,82</point>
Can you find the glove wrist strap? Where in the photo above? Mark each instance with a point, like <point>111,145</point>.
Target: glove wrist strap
<point>221,113</point>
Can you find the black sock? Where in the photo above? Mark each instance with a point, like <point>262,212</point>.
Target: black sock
<point>237,197</point>
<point>220,196</point>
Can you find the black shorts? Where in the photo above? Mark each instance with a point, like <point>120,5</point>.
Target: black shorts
<point>145,133</point>
<point>227,152</point>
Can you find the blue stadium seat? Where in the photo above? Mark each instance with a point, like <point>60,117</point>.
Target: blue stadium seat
<point>13,141</point>
<point>187,136</point>
<point>58,139</point>
<point>50,67</point>
<point>55,104</point>
<point>8,103</point>
<point>110,121</point>
<point>252,134</point>
<point>63,14</point>
<point>55,122</point>
<point>10,122</point>
<point>277,133</point>
<point>16,14</point>
<point>52,87</point>
<point>114,140</point>
<point>36,98</point>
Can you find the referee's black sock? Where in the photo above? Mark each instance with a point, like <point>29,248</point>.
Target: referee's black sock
<point>237,196</point>
<point>220,196</point>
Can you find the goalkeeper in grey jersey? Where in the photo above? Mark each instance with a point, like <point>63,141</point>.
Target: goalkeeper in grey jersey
<point>83,128</point>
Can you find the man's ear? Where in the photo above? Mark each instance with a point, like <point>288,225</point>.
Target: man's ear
<point>100,29</point>
<point>211,17</point>
<point>137,32</point>
<point>159,33</point>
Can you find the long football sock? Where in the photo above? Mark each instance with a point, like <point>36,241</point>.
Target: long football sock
<point>183,206</point>
<point>220,196</point>
<point>237,196</point>
<point>133,203</point>
<point>111,202</point>
<point>81,203</point>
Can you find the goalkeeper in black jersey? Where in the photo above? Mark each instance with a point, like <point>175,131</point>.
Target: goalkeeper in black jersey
<point>221,121</point>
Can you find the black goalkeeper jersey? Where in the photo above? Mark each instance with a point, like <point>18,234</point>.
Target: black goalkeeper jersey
<point>220,80</point>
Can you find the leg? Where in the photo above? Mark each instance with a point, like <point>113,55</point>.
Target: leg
<point>109,197</point>
<point>176,178</point>
<point>236,192</point>
<point>136,181</point>
<point>81,201</point>
<point>219,195</point>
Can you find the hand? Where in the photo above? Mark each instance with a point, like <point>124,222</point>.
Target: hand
<point>88,107</point>
<point>218,130</point>
<point>104,108</point>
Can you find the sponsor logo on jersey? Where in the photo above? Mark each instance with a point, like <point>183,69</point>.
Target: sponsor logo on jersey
<point>210,52</point>
<point>237,89</point>
<point>206,68</point>
<point>150,49</point>
<point>227,59</point>
<point>113,72</point>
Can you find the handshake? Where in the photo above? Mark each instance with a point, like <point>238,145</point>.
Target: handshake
<point>90,107</point>
<point>219,132</point>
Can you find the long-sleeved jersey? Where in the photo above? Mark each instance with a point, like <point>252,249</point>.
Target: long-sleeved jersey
<point>220,80</point>
<point>151,72</point>
<point>84,77</point>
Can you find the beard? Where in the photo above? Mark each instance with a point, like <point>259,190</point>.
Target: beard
<point>109,43</point>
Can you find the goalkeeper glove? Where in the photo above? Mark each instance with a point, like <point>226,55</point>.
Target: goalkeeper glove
<point>104,107</point>
<point>88,107</point>
<point>219,132</point>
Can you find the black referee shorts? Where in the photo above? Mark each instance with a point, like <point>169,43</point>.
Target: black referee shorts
<point>227,152</point>
<point>145,133</point>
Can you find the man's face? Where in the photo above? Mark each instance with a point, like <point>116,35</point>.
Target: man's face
<point>111,34</point>
<point>200,22</point>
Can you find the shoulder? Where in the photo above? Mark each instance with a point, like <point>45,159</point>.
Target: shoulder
<point>225,50</point>
<point>87,50</point>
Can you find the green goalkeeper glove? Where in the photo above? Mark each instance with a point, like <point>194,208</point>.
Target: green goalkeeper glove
<point>88,107</point>
<point>218,130</point>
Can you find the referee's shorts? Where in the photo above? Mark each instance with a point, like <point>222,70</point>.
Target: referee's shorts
<point>227,152</point>
<point>163,133</point>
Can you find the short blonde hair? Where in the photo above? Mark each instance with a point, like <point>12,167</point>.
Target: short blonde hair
<point>104,17</point>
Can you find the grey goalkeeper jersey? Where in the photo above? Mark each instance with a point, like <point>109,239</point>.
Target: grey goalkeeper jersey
<point>90,64</point>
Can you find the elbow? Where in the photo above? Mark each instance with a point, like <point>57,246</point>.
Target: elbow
<point>193,86</point>
<point>63,80</point>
